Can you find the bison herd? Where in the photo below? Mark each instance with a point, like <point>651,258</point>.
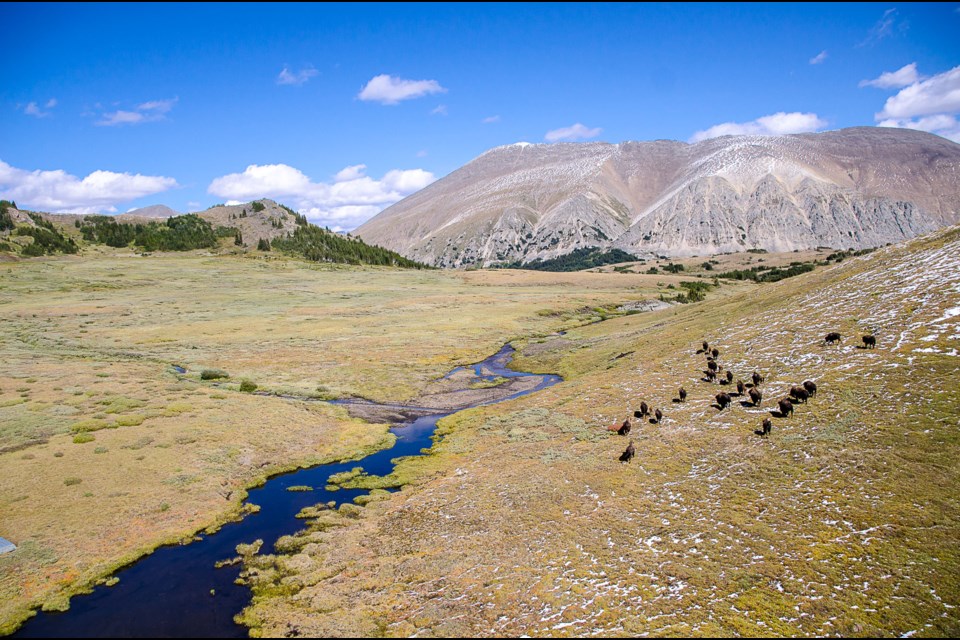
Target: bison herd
<point>799,394</point>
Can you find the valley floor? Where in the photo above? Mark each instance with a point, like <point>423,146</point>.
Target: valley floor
<point>843,522</point>
<point>111,443</point>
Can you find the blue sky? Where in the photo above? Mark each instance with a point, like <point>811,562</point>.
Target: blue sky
<point>341,110</point>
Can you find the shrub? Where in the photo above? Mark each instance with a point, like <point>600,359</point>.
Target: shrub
<point>80,438</point>
<point>213,374</point>
<point>247,386</point>
<point>257,207</point>
<point>72,481</point>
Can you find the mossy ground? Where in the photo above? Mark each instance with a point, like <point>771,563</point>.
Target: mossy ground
<point>88,390</point>
<point>521,520</point>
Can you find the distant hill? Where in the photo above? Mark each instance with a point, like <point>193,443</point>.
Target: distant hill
<point>153,211</point>
<point>851,188</point>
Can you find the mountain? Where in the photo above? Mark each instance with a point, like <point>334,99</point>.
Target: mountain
<point>851,188</point>
<point>154,211</point>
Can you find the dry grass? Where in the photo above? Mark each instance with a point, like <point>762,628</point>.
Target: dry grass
<point>521,521</point>
<point>86,348</point>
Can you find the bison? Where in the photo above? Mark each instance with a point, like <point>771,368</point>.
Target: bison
<point>767,426</point>
<point>811,387</point>
<point>644,409</point>
<point>706,346</point>
<point>757,379</point>
<point>785,407</point>
<point>624,428</point>
<point>756,396</point>
<point>683,394</point>
<point>723,399</point>
<point>799,393</point>
<point>658,415</point>
<point>715,353</point>
<point>628,454</point>
<point>711,375</point>
<point>741,388</point>
<point>869,342</point>
<point>729,376</point>
<point>832,337</point>
<point>712,365</point>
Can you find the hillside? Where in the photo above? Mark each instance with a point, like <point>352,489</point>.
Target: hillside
<point>522,521</point>
<point>852,188</point>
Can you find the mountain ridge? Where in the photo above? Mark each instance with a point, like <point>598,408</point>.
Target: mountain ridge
<point>850,188</point>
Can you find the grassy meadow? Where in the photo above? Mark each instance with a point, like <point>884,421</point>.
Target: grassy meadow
<point>844,521</point>
<point>107,450</point>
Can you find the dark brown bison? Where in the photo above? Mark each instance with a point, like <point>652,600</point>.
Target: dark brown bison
<point>644,409</point>
<point>811,387</point>
<point>799,393</point>
<point>711,375</point>
<point>627,455</point>
<point>741,388</point>
<point>683,394</point>
<point>832,337</point>
<point>724,400</point>
<point>756,396</point>
<point>624,428</point>
<point>767,426</point>
<point>658,415</point>
<point>757,379</point>
<point>715,353</point>
<point>729,376</point>
<point>706,346</point>
<point>785,407</point>
<point>712,365</point>
<point>869,342</point>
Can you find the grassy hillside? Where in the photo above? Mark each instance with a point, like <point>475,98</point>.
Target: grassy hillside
<point>843,521</point>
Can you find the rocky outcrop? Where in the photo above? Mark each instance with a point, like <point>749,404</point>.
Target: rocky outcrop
<point>852,188</point>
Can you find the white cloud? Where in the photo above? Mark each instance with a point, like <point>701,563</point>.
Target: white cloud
<point>777,124</point>
<point>819,58</point>
<point>938,94</point>
<point>491,120</point>
<point>882,28</point>
<point>441,110</point>
<point>387,89</point>
<point>573,132</point>
<point>151,111</point>
<point>296,78</point>
<point>932,105</point>
<point>33,109</point>
<point>348,202</point>
<point>902,77</point>
<point>60,192</point>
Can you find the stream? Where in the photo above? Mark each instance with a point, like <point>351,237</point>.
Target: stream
<point>176,591</point>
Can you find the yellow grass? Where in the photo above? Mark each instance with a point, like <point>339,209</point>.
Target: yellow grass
<point>86,348</point>
<point>521,521</point>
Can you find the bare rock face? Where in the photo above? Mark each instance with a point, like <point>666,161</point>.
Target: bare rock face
<point>852,188</point>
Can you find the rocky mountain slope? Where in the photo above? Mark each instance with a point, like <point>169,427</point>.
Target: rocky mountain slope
<point>852,188</point>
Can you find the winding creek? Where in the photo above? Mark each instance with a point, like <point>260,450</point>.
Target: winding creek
<point>177,592</point>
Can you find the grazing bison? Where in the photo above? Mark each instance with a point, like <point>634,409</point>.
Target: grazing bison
<point>756,396</point>
<point>624,428</point>
<point>706,347</point>
<point>767,426</point>
<point>683,394</point>
<point>644,409</point>
<point>627,455</point>
<point>869,342</point>
<point>832,337</point>
<point>741,388</point>
<point>811,387</point>
<point>711,375</point>
<point>729,376</point>
<point>785,407</point>
<point>799,393</point>
<point>712,365</point>
<point>757,379</point>
<point>715,353</point>
<point>723,399</point>
<point>658,415</point>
